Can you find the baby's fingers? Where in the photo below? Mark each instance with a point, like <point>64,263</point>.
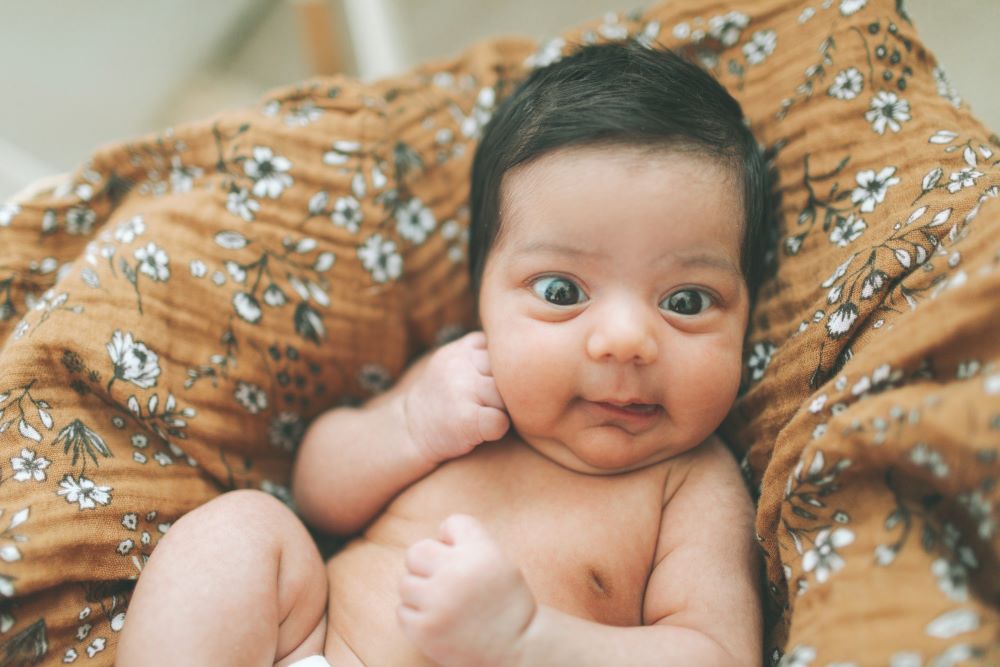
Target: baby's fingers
<point>493,423</point>
<point>413,591</point>
<point>424,557</point>
<point>487,393</point>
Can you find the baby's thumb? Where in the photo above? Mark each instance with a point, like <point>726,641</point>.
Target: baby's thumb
<point>493,423</point>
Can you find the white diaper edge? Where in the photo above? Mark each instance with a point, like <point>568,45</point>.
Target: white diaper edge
<point>311,661</point>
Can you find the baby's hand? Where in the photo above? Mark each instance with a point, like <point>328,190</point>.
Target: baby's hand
<point>463,601</point>
<point>454,405</point>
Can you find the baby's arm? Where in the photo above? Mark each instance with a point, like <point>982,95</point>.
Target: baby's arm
<point>354,460</point>
<point>463,601</point>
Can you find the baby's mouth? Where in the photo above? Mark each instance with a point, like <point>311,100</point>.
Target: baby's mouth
<point>630,410</point>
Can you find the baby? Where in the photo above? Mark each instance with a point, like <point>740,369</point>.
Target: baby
<point>547,491</point>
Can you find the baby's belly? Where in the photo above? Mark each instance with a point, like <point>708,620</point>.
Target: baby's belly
<point>584,544</point>
<point>361,620</point>
<point>364,576</point>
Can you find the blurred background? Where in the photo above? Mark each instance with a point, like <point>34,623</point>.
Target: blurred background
<point>76,75</point>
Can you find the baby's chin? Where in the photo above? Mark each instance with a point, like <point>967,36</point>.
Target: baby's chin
<point>590,460</point>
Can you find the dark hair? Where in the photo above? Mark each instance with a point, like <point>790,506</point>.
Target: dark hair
<point>618,94</point>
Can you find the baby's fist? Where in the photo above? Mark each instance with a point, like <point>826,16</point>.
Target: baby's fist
<point>463,601</point>
<point>454,405</point>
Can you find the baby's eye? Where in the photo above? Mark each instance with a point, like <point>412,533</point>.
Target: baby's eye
<point>687,302</point>
<point>559,291</point>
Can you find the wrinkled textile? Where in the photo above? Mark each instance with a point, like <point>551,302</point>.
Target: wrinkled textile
<point>174,315</point>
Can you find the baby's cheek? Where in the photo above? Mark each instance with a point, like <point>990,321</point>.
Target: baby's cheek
<point>711,381</point>
<point>529,382</point>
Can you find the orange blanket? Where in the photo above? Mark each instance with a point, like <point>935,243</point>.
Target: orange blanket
<point>174,315</point>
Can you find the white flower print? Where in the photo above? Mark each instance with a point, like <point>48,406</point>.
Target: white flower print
<point>181,177</point>
<point>318,202</point>
<point>374,378</point>
<point>133,361</point>
<point>342,150</point>
<point>945,89</point>
<point>964,178</point>
<point>760,359</point>
<point>611,29</point>
<point>279,491</point>
<point>923,455</point>
<point>846,230</point>
<point>953,623</point>
<point>848,7</point>
<point>347,213</point>
<point>380,258</point>
<point>247,307</point>
<point>906,659</point>
<point>472,125</point>
<point>127,231</point>
<point>847,84</point>
<point>84,491</point>
<point>823,557</point>
<point>952,578</point>
<point>198,268</point>
<point>29,466</point>
<point>274,296</point>
<point>980,508</point>
<point>238,202</point>
<point>728,27</point>
<point>550,52</point>
<point>269,172</point>
<point>647,37</point>
<point>841,320</point>
<point>153,262</point>
<point>286,431</point>
<point>96,646</point>
<point>236,271</point>
<point>872,284</point>
<point>414,221</point>
<point>801,656</point>
<point>872,187</point>
<point>303,115</point>
<point>130,521</point>
<point>80,220</point>
<point>887,110</point>
<point>760,46</point>
<point>250,396</point>
<point>7,213</point>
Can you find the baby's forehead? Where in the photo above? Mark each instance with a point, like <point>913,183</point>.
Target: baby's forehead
<point>521,186</point>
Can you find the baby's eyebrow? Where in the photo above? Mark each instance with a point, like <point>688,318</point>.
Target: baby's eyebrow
<point>556,248</point>
<point>709,260</point>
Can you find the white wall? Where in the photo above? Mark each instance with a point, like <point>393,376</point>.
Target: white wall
<point>75,75</point>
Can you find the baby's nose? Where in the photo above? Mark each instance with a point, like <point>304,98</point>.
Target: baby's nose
<point>624,334</point>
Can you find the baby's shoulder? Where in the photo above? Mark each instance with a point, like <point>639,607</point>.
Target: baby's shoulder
<point>702,469</point>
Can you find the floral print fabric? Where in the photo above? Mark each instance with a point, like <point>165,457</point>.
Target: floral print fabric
<point>175,313</point>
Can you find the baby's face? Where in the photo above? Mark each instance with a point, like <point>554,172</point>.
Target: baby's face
<point>614,306</point>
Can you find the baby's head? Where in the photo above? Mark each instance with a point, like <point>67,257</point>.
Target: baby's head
<point>618,203</point>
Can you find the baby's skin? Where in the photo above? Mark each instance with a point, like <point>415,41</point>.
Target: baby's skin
<point>582,544</point>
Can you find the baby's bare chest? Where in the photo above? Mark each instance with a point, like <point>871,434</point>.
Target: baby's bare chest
<point>585,543</point>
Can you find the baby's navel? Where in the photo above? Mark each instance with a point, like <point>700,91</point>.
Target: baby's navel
<point>597,580</point>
